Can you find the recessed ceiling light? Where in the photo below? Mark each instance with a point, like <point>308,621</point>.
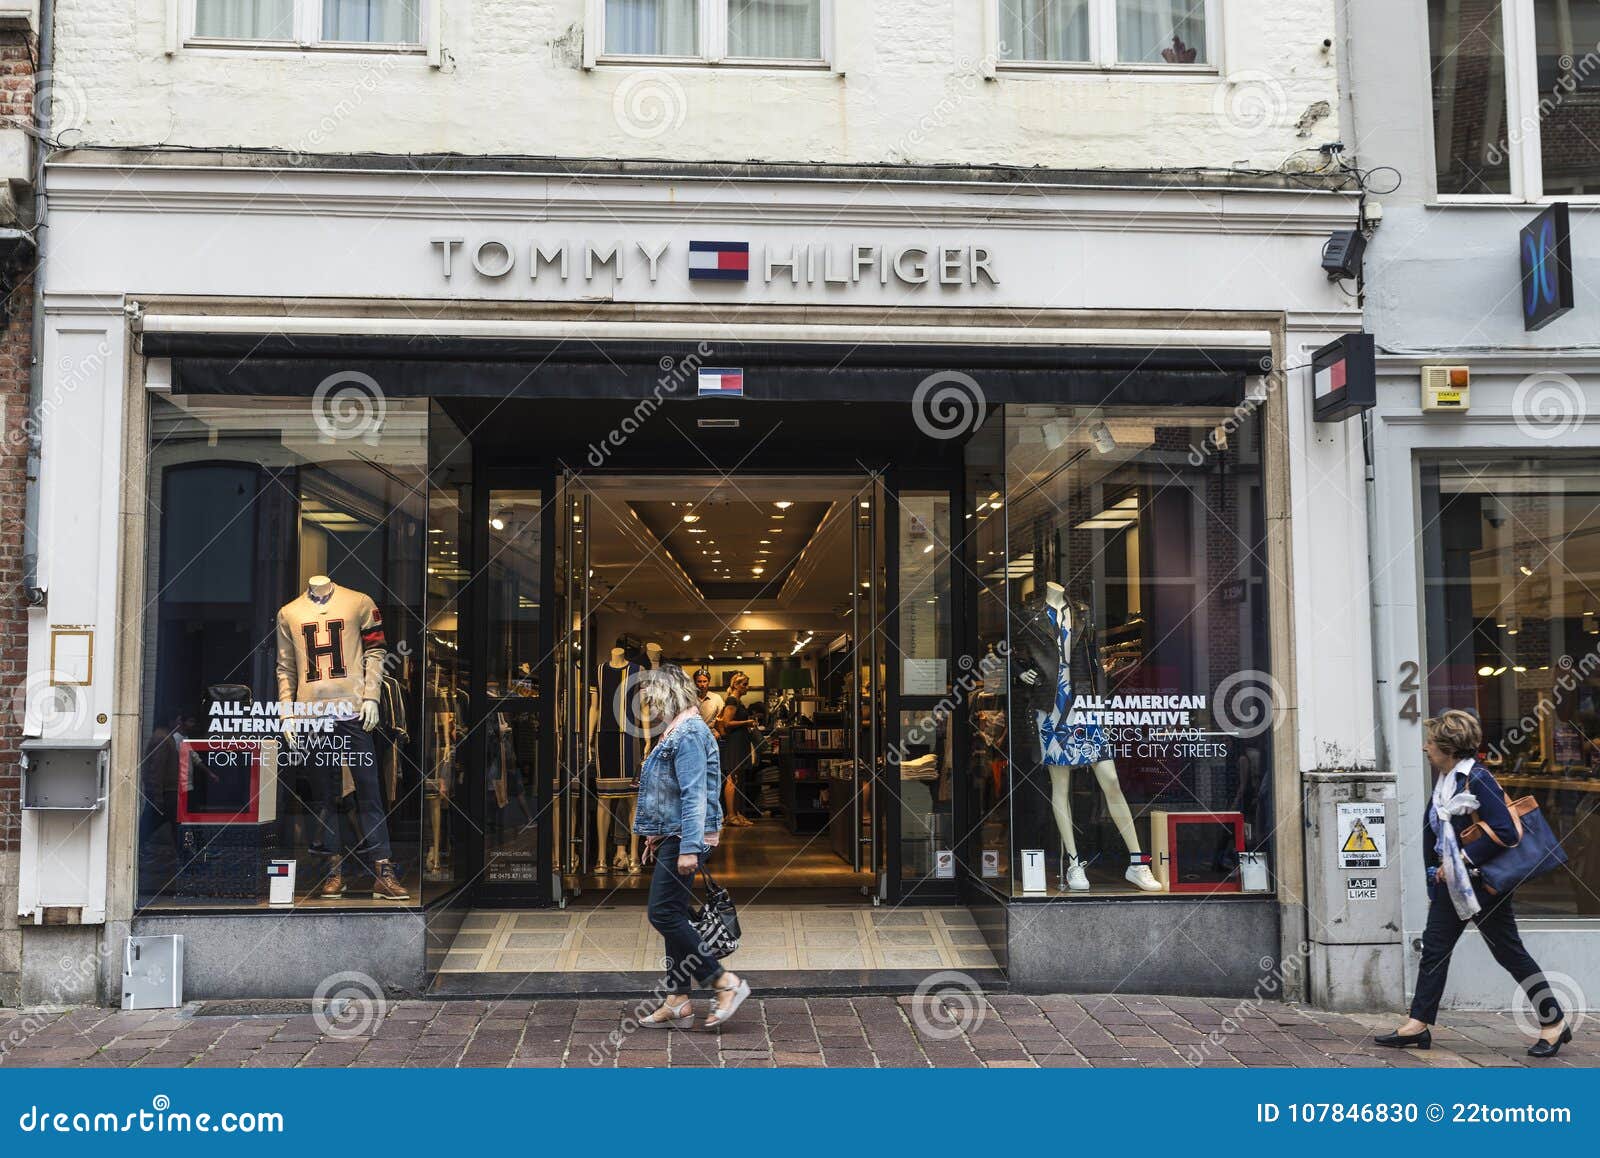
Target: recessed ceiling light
<point>691,518</point>
<point>783,505</point>
<point>697,531</point>
<point>758,570</point>
<point>764,542</point>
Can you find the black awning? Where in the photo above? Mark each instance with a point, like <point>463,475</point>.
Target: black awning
<point>294,366</point>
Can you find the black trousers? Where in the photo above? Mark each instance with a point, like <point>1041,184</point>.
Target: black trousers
<point>1497,922</point>
<point>671,899</point>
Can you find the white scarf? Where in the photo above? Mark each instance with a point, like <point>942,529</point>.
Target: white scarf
<point>1447,802</point>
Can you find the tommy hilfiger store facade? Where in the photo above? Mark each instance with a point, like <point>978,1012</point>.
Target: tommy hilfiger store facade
<point>363,511</point>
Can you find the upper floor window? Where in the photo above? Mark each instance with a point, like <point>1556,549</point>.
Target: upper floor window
<point>1516,97</point>
<point>308,23</point>
<point>780,31</point>
<point>1106,33</point>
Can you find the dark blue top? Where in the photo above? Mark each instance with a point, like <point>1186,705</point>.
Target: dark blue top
<point>1492,811</point>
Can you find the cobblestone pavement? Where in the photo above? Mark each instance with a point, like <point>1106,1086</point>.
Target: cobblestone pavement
<point>780,1031</point>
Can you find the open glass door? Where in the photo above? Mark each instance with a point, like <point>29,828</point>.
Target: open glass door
<point>874,794</point>
<point>570,833</point>
<point>515,788</point>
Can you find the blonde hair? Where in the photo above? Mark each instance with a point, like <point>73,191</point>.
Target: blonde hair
<point>1457,732</point>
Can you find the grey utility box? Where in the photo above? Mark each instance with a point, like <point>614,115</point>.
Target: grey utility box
<point>63,776</point>
<point>1353,866</point>
<point>152,973</point>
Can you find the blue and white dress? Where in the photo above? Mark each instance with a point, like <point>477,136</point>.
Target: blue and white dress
<point>1063,742</point>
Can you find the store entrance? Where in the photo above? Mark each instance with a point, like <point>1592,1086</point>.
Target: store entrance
<point>789,597</point>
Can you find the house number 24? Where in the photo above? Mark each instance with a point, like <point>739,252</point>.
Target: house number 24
<point>1410,670</point>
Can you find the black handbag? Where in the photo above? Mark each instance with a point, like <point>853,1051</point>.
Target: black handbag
<point>716,921</point>
<point>1535,852</point>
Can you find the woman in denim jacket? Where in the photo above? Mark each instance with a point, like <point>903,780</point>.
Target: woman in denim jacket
<point>680,819</point>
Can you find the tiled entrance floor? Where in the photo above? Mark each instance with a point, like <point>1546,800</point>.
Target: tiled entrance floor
<point>776,937</point>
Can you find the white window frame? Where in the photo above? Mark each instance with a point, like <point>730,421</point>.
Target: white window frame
<point>308,33</point>
<point>1103,46</point>
<point>712,50</point>
<point>1523,129</point>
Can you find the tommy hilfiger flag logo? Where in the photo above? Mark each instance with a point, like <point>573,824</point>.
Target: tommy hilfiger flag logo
<point>719,261</point>
<point>721,383</point>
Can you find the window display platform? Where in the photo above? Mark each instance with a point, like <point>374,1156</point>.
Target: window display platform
<point>801,946</point>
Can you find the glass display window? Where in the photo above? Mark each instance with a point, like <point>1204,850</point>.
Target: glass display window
<point>284,655</point>
<point>1139,687</point>
<point>1511,572</point>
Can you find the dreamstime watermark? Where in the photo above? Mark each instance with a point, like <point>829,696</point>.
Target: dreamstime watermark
<point>51,704</point>
<point>649,103</point>
<point>924,732</point>
<point>1571,72</point>
<point>675,372</point>
<point>349,404</point>
<point>74,980</point>
<point>67,102</point>
<point>374,71</point>
<point>970,76</point>
<point>948,405</point>
<point>1249,101</point>
<point>947,1005</point>
<point>1574,673</point>
<point>1217,438</point>
<point>1248,703</point>
<point>1563,988</point>
<point>1278,975</point>
<point>349,1005</point>
<point>1548,405</point>
<point>603,1053</point>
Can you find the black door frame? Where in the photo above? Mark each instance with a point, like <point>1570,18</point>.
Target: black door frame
<point>489,476</point>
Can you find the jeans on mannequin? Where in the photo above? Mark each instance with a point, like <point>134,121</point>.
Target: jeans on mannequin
<point>347,745</point>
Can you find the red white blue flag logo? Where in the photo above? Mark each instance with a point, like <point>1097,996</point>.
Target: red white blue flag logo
<point>721,383</point>
<point>719,261</point>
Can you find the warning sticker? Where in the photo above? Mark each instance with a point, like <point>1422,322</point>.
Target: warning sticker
<point>1363,843</point>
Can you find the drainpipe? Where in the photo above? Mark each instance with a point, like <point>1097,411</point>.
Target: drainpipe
<point>41,119</point>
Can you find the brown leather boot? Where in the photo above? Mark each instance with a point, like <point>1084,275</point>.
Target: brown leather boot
<point>332,887</point>
<point>386,883</point>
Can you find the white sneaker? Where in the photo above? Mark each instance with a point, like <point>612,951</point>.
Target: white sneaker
<point>1077,879</point>
<point>1141,876</point>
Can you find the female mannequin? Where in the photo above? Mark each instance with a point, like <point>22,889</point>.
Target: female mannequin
<point>1065,744</point>
<point>614,749</point>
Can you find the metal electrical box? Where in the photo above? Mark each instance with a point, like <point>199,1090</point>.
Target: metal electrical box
<point>1353,890</point>
<point>60,777</point>
<point>152,973</point>
<point>61,877</point>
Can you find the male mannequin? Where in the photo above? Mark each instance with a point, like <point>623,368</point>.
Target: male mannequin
<point>331,653</point>
<point>614,749</point>
<point>1064,744</point>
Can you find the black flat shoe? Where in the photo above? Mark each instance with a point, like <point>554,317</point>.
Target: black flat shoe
<point>1423,1040</point>
<point>1542,1048</point>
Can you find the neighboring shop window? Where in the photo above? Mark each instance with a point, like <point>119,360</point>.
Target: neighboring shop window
<point>1511,564</point>
<point>759,30</point>
<point>345,22</point>
<point>1141,699</point>
<point>284,654</point>
<point>1105,32</point>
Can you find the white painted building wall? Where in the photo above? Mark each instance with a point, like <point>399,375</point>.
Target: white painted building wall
<point>906,85</point>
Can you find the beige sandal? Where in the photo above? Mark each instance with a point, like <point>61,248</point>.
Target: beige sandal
<point>666,1017</point>
<point>720,1016</point>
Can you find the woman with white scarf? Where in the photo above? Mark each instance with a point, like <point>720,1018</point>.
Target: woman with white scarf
<point>1465,791</point>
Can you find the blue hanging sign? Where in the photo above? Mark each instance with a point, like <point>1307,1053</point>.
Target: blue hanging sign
<point>1546,267</point>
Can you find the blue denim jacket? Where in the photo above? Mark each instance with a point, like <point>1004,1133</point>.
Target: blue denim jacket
<point>679,787</point>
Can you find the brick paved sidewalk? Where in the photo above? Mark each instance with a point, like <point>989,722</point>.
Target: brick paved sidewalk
<point>781,1031</point>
